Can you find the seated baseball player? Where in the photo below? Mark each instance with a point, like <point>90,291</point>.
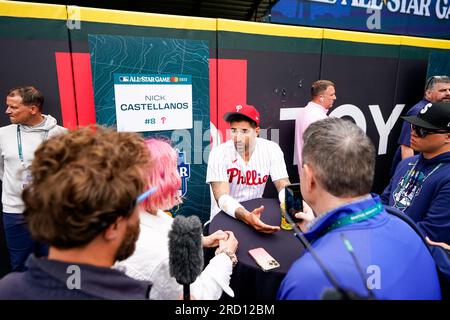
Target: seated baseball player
<point>239,169</point>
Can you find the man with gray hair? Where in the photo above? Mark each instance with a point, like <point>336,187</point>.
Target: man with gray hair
<point>437,89</point>
<point>349,229</point>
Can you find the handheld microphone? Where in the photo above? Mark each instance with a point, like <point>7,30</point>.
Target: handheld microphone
<point>185,251</point>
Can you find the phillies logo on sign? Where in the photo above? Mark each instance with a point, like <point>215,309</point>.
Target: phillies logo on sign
<point>251,177</point>
<point>184,170</point>
<point>238,108</point>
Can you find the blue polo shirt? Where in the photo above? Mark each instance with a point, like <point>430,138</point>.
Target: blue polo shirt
<point>48,280</point>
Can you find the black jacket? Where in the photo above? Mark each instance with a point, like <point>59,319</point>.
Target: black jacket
<point>51,280</point>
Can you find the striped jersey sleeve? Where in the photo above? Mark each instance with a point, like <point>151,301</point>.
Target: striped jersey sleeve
<point>216,166</point>
<point>277,165</point>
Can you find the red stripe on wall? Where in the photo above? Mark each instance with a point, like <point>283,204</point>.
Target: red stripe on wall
<point>66,89</point>
<point>213,93</point>
<point>231,89</point>
<point>84,90</point>
<point>77,107</point>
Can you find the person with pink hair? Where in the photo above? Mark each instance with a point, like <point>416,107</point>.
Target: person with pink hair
<point>150,260</point>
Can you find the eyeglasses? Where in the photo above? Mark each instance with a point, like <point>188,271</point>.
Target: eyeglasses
<point>145,195</point>
<point>423,132</point>
<point>432,80</point>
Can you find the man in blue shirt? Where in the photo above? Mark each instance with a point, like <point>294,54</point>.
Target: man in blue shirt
<point>420,186</point>
<point>437,89</point>
<point>349,229</point>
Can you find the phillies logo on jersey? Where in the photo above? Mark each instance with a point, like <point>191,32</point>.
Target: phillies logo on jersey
<point>251,177</point>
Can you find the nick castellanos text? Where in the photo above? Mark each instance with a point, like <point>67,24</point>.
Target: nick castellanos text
<point>154,106</point>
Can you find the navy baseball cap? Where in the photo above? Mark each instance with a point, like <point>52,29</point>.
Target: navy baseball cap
<point>435,116</point>
<point>245,110</point>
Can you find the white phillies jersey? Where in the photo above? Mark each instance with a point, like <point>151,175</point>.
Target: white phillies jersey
<point>247,181</point>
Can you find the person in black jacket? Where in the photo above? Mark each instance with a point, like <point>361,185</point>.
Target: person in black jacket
<point>82,201</point>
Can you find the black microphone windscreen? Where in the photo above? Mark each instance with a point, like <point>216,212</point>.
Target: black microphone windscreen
<point>185,249</point>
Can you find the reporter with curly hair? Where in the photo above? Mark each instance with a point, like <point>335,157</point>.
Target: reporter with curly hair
<point>82,203</point>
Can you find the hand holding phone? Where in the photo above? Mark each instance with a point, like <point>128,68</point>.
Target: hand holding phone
<point>264,259</point>
<point>294,201</point>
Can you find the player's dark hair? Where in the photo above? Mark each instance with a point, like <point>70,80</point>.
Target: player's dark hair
<point>240,117</point>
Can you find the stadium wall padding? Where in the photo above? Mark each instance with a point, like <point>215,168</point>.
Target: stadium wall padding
<point>378,77</point>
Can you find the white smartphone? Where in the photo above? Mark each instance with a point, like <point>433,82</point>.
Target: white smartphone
<point>264,259</point>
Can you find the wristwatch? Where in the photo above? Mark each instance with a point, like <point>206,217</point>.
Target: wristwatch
<point>229,253</point>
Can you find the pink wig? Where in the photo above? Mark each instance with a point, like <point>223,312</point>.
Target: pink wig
<point>162,174</point>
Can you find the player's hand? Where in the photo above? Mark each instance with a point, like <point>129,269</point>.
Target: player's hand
<point>230,243</point>
<point>254,219</point>
<point>307,215</point>
<point>213,239</point>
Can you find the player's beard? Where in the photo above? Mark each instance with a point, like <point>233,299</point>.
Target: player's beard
<point>128,244</point>
<point>240,148</point>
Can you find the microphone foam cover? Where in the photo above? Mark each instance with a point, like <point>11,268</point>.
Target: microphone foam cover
<point>185,249</point>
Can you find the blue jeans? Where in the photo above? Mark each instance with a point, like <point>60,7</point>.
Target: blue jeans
<point>19,241</point>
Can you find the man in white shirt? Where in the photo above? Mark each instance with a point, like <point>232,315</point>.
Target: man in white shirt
<point>323,95</point>
<point>18,141</point>
<point>239,169</point>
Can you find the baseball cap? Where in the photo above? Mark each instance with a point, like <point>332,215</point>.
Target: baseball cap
<point>434,116</point>
<point>245,110</point>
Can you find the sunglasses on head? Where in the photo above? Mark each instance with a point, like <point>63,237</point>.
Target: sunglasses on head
<point>423,132</point>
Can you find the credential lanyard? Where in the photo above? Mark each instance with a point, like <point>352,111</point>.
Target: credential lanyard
<point>356,217</point>
<point>19,143</point>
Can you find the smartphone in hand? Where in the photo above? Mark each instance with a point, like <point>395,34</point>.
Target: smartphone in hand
<point>294,200</point>
<point>264,259</point>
